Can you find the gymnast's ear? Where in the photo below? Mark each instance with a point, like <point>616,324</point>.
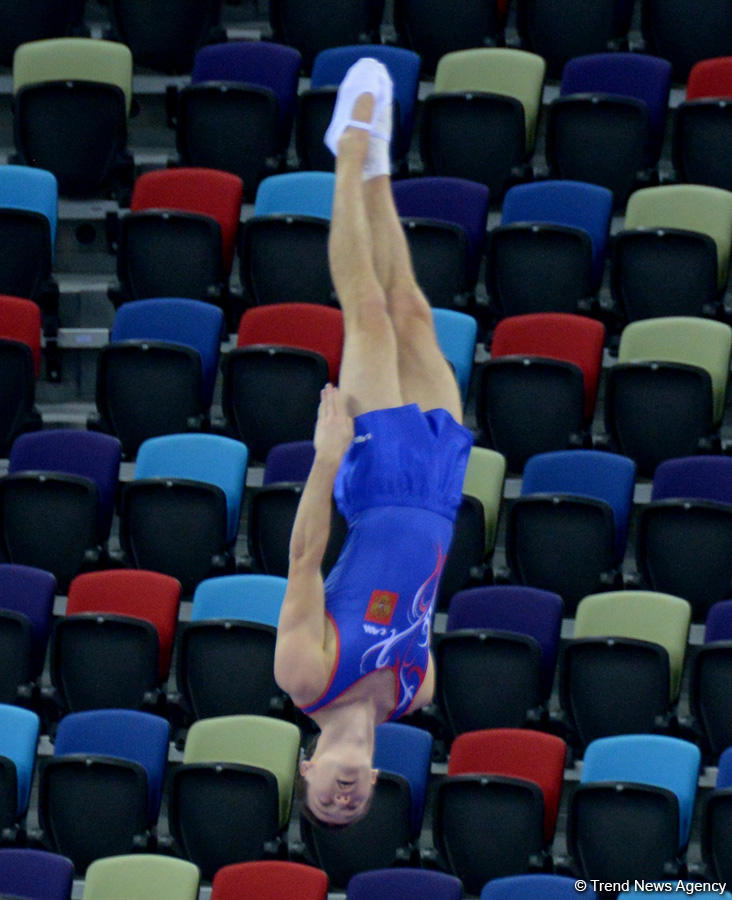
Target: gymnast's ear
<point>374,775</point>
<point>305,766</point>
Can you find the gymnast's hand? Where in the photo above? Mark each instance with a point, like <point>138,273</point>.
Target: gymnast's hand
<point>334,428</point>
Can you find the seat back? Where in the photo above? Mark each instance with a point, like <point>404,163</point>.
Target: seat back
<point>207,192</point>
<point>71,451</point>
<point>694,478</point>
<point>144,875</point>
<point>694,207</point>
<point>251,598</point>
<point>259,741</point>
<point>653,759</point>
<point>484,478</point>
<point>150,596</point>
<point>191,323</point>
<point>689,340</point>
<point>74,59</point>
<point>406,751</point>
<point>30,592</point>
<point>407,883</point>
<point>291,461</point>
<point>19,730</point>
<point>270,879</point>
<point>24,187</point>
<point>718,626</point>
<point>296,193</point>
<point>35,874</point>
<point>591,473</point>
<point>209,458</point>
<point>710,78</point>
<point>685,34</point>
<point>644,615</point>
<point>524,887</point>
<point>572,338</point>
<point>497,70</point>
<point>456,335</point>
<point>20,320</point>
<point>305,326</point>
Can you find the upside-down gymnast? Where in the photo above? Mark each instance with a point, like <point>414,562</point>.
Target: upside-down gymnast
<point>354,650</point>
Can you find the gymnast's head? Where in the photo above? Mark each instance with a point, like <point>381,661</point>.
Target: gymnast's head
<point>337,783</point>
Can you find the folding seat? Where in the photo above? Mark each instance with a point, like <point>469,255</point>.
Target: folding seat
<point>445,223</point>
<point>226,651</point>
<point>456,335</point>
<point>716,822</point>
<point>512,608</point>
<point>237,113</point>
<point>19,730</point>
<point>684,535</point>
<point>480,122</point>
<point>686,33</point>
<point>701,125</point>
<point>524,887</point>
<point>28,222</point>
<point>146,876</point>
<point>286,351</point>
<point>495,812</point>
<point>164,36</point>
<point>110,761</point>
<point>26,610</point>
<point>484,479</point>
<point>665,396</point>
<point>230,800</point>
<point>407,751</point>
<point>436,28</point>
<point>269,879</point>
<point>337,23</point>
<point>709,681</point>
<point>316,103</point>
<point>21,23</point>
<point>290,461</point>
<point>538,390</point>
<point>672,255</point>
<point>574,29</point>
<point>198,479</point>
<point>607,125</point>
<point>178,239</point>
<point>20,352</point>
<point>630,816</point>
<point>35,874</point>
<point>296,194</point>
<point>113,647</point>
<point>548,253</point>
<point>568,530</point>
<point>71,101</point>
<point>57,500</point>
<point>158,372</point>
<point>406,883</point>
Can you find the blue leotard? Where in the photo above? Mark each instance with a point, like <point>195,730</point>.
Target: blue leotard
<point>399,488</point>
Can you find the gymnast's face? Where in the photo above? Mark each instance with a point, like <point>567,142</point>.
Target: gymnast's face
<point>337,792</point>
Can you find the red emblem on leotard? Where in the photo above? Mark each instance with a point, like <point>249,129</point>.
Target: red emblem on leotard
<point>381,607</point>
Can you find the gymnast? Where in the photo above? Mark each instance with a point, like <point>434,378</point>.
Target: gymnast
<point>354,650</point>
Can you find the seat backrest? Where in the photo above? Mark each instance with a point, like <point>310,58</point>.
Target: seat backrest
<point>718,624</point>
<point>572,338</point>
<point>191,323</point>
<point>407,751</point>
<point>297,194</point>
<point>290,461</point>
<point>457,333</point>
<point>251,598</point>
<point>516,753</point>
<point>210,458</point>
<point>638,75</point>
<point>710,78</point>
<point>140,594</point>
<point>74,452</point>
<point>724,769</point>
<point>269,879</point>
<point>19,729</point>
<point>695,478</point>
<point>330,67</point>
<point>405,883</point>
<point>306,326</point>
<point>35,874</point>
<point>517,608</point>
<point>146,876</point>
<point>654,759</point>
<point>694,207</point>
<point>589,473</point>
<point>125,734</point>
<point>271,744</point>
<point>497,70</point>
<point>24,187</point>
<point>576,204</point>
<point>526,887</point>
<point>74,59</point>
<point>207,192</point>
<point>20,320</point>
<point>485,476</point>
<point>30,591</point>
<point>690,340</point>
<point>644,615</point>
